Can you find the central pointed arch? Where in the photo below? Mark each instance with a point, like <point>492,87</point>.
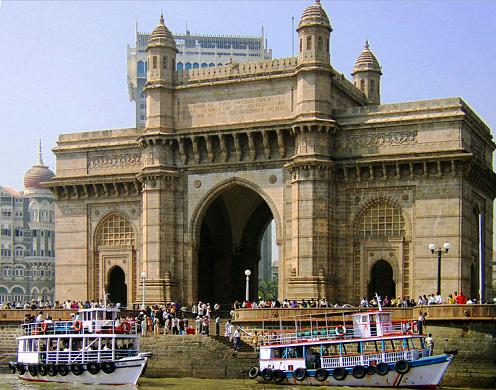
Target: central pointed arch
<point>226,231</point>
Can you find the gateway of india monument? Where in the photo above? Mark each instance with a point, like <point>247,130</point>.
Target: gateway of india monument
<point>357,189</point>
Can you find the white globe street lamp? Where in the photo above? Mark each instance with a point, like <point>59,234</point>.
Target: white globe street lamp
<point>143,277</point>
<point>247,295</point>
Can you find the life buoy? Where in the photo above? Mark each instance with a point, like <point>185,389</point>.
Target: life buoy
<point>33,369</point>
<point>402,366</point>
<point>52,369</point>
<point>108,367</point>
<point>370,370</point>
<point>77,326</point>
<point>382,368</point>
<point>77,369</point>
<point>339,373</point>
<point>21,369</point>
<point>44,326</point>
<point>358,372</point>
<point>300,374</point>
<point>93,368</point>
<point>12,367</point>
<point>253,372</point>
<point>42,369</point>
<point>278,376</point>
<point>126,327</point>
<point>267,374</point>
<point>63,370</point>
<point>321,374</point>
<point>340,330</point>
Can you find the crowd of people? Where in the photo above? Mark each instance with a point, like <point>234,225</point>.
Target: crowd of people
<point>423,300</point>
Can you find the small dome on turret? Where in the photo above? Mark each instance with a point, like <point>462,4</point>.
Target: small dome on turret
<point>37,174</point>
<point>366,61</point>
<point>314,15</point>
<point>161,35</point>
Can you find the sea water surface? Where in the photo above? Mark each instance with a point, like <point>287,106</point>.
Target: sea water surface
<point>11,382</point>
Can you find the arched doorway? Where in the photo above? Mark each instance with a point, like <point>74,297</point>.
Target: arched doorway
<point>381,280</point>
<point>230,242</point>
<point>117,288</point>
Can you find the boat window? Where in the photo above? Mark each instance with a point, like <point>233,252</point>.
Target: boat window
<point>414,343</point>
<point>277,352</point>
<point>295,352</point>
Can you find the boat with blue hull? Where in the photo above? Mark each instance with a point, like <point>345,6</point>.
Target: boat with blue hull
<point>370,351</point>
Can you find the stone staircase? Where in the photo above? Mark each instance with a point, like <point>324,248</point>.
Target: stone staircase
<point>244,346</point>
<point>197,356</point>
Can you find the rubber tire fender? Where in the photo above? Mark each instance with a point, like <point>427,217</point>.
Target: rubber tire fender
<point>278,376</point>
<point>93,368</point>
<point>300,374</point>
<point>382,368</point>
<point>12,367</point>
<point>108,367</point>
<point>253,372</point>
<point>63,370</point>
<point>77,369</point>
<point>358,372</point>
<point>21,369</point>
<point>52,369</point>
<point>33,369</point>
<point>267,374</point>
<point>371,370</point>
<point>402,366</point>
<point>321,374</point>
<point>339,373</point>
<point>42,369</point>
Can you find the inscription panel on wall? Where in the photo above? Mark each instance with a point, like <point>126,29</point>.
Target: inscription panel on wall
<point>215,106</point>
<point>116,162</point>
<point>371,142</point>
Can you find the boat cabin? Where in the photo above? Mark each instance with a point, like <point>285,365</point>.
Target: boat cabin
<point>371,324</point>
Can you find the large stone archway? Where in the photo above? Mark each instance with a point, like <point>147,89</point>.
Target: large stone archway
<point>231,230</point>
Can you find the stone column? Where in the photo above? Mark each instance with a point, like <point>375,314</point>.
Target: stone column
<point>310,171</point>
<point>158,235</point>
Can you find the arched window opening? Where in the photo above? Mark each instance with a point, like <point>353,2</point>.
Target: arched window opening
<point>115,231</point>
<point>309,42</point>
<point>188,65</point>
<point>180,66</point>
<point>381,219</point>
<point>204,65</point>
<point>196,65</point>
<point>154,62</point>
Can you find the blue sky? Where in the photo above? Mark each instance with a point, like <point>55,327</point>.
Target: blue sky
<point>63,64</point>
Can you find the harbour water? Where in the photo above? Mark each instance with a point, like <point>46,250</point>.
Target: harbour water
<point>10,382</point>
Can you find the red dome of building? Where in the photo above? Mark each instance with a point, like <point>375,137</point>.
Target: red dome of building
<point>37,174</point>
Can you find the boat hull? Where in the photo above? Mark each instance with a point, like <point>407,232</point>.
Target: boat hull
<point>127,371</point>
<point>425,373</point>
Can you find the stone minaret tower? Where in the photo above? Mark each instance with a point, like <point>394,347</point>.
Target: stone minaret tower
<point>159,89</point>
<point>314,32</point>
<point>367,75</point>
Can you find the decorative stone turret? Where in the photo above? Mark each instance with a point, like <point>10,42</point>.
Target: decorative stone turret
<point>161,51</point>
<point>314,32</point>
<point>367,75</point>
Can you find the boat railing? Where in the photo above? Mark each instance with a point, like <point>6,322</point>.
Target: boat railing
<point>368,359</point>
<point>334,332</point>
<point>83,356</point>
<point>79,327</point>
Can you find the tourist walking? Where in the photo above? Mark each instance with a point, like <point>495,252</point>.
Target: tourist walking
<point>217,326</point>
<point>227,330</point>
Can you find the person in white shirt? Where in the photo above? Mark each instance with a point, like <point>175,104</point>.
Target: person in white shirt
<point>439,299</point>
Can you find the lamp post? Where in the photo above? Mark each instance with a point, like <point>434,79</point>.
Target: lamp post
<point>439,253</point>
<point>143,277</point>
<point>247,295</point>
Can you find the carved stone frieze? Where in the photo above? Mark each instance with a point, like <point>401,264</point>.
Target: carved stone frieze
<point>382,138</point>
<point>114,160</point>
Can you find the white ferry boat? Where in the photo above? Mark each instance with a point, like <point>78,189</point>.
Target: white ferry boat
<point>94,348</point>
<point>372,352</point>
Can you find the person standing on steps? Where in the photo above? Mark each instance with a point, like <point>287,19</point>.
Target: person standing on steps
<point>217,325</point>
<point>237,338</point>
